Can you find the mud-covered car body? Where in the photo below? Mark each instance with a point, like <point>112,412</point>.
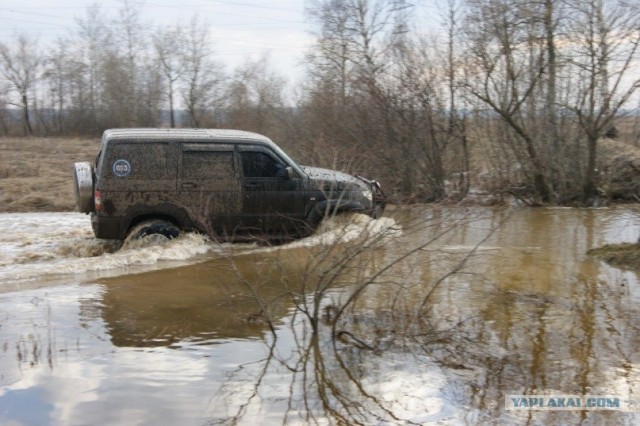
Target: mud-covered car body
<point>228,183</point>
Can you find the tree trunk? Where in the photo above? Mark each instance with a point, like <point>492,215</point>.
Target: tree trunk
<point>172,118</point>
<point>28,131</point>
<point>589,187</point>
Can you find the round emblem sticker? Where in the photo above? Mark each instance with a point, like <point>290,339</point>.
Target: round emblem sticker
<point>121,168</point>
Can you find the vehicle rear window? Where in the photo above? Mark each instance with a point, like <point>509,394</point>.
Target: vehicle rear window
<point>207,164</point>
<point>141,161</point>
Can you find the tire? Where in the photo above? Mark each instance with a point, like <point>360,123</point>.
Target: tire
<point>83,186</point>
<point>154,227</point>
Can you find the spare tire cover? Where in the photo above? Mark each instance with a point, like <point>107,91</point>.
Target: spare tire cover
<point>83,183</point>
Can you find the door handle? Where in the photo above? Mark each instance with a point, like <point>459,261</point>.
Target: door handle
<point>189,185</point>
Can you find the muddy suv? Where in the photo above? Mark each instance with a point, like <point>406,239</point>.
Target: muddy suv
<point>230,184</point>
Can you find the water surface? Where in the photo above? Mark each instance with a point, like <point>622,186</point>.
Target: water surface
<point>490,303</point>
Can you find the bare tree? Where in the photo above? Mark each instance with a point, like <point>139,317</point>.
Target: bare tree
<point>20,66</point>
<point>4,112</point>
<point>58,74</point>
<point>337,321</point>
<point>504,71</point>
<point>556,98</point>
<point>331,59</point>
<point>457,121</point>
<point>604,56</point>
<point>91,43</point>
<point>534,84</point>
<point>167,48</point>
<point>351,93</point>
<point>130,41</point>
<point>255,97</point>
<point>150,97</point>
<point>202,76</point>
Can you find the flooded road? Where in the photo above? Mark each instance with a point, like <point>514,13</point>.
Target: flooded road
<point>437,316</point>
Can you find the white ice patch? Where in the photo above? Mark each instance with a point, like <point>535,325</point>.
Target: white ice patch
<point>417,397</point>
<point>40,244</point>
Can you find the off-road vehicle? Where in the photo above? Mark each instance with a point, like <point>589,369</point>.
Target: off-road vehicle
<point>230,184</point>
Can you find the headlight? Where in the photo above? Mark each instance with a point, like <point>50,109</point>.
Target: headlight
<point>368,194</point>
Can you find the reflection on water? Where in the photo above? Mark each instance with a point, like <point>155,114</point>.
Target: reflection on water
<point>442,335</point>
<point>203,303</point>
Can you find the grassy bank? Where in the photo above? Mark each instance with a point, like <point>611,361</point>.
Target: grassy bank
<point>625,255</point>
<point>36,173</point>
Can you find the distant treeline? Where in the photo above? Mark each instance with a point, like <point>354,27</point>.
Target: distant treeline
<point>510,95</point>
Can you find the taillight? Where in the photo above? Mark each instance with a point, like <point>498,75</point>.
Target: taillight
<point>97,200</point>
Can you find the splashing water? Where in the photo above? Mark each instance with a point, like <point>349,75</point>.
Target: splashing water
<point>348,227</point>
<point>41,244</point>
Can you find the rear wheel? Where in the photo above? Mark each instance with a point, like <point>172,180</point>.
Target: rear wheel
<point>83,185</point>
<point>154,227</point>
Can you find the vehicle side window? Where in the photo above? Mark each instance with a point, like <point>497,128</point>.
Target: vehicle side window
<point>207,165</point>
<point>260,164</point>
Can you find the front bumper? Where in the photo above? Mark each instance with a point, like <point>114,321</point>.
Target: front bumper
<point>378,198</point>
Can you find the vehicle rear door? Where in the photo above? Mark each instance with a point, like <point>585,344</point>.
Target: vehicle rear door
<point>210,186</point>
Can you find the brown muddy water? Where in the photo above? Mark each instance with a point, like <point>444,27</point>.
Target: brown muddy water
<point>424,317</point>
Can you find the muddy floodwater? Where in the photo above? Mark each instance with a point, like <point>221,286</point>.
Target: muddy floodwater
<point>426,316</point>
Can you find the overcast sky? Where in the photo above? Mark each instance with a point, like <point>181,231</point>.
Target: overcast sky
<point>240,29</point>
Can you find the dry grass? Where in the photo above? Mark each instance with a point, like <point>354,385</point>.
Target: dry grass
<point>36,173</point>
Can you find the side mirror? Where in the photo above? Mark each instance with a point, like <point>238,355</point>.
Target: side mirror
<point>289,173</point>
